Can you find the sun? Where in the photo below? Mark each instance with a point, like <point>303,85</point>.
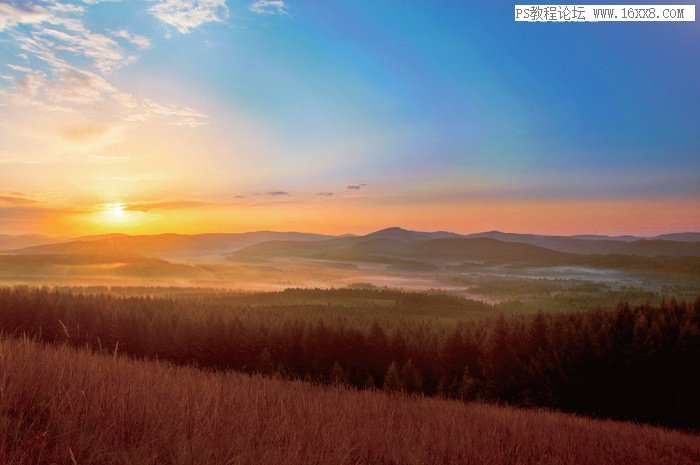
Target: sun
<point>115,211</point>
<point>116,214</point>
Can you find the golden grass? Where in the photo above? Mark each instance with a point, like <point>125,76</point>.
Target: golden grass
<point>66,407</point>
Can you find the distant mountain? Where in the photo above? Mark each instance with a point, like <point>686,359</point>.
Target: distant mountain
<point>8,242</point>
<point>399,248</point>
<point>681,237</point>
<point>396,244</point>
<point>659,247</point>
<point>599,245</point>
<point>598,237</point>
<point>400,234</point>
<point>195,247</point>
<point>390,245</point>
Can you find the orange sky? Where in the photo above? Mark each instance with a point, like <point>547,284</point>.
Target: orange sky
<point>361,215</point>
<point>116,117</point>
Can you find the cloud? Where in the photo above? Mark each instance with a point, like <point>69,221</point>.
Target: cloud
<point>21,218</point>
<point>71,63</point>
<point>59,28</point>
<point>14,159</point>
<point>142,42</point>
<point>355,187</point>
<point>269,7</point>
<point>21,69</point>
<point>83,132</point>
<point>109,158</point>
<point>171,205</point>
<point>239,196</point>
<point>16,200</point>
<point>11,16</point>
<point>325,194</point>
<point>277,193</point>
<point>185,15</point>
<point>83,92</point>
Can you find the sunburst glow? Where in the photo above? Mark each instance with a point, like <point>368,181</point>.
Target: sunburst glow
<point>115,211</point>
<point>115,214</point>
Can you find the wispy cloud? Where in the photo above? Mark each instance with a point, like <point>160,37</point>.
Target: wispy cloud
<point>325,194</point>
<point>24,217</point>
<point>14,159</point>
<point>109,158</point>
<point>269,7</point>
<point>17,200</point>
<point>185,15</point>
<point>170,205</point>
<point>84,131</point>
<point>11,16</point>
<point>71,64</point>
<point>18,68</point>
<point>355,187</point>
<point>277,193</point>
<point>142,42</point>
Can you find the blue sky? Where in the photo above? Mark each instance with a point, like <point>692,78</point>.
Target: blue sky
<point>420,101</point>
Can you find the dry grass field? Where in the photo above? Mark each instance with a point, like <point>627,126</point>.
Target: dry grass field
<point>62,406</point>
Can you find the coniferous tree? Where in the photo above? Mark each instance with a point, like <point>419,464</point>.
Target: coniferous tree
<point>339,376</point>
<point>392,379</point>
<point>411,379</point>
<point>467,386</point>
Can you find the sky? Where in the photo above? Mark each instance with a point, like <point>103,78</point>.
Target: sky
<point>342,117</point>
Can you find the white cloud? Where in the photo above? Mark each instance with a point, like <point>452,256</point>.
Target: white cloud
<point>142,42</point>
<point>185,15</point>
<point>60,29</point>
<point>55,37</point>
<point>11,16</point>
<point>21,69</point>
<point>269,7</point>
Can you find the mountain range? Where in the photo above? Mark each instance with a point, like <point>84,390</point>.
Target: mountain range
<point>394,245</point>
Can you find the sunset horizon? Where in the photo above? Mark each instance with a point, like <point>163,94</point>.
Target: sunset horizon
<point>141,117</point>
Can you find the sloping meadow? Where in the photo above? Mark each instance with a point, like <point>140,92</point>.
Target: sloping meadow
<point>636,363</point>
<point>61,405</point>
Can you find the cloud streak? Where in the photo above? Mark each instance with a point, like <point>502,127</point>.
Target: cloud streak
<point>185,15</point>
<point>269,7</point>
<point>170,205</point>
<point>17,200</point>
<point>54,39</point>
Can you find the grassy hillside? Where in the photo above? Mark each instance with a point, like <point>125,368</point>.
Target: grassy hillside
<point>67,407</point>
<point>637,363</point>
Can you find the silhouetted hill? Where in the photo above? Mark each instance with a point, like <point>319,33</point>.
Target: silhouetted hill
<point>371,249</point>
<point>658,247</point>
<point>682,237</point>
<point>625,245</point>
<point>392,245</point>
<point>8,242</point>
<point>166,246</point>
<point>409,250</point>
<point>400,234</point>
<point>599,237</point>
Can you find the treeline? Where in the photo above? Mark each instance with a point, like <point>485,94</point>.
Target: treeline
<point>639,363</point>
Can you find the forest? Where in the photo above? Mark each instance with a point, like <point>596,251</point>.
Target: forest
<point>634,362</point>
<point>62,405</point>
